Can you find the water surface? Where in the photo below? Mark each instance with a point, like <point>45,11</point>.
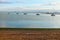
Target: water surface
<point>31,20</point>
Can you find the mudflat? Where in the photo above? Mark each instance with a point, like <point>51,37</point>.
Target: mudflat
<point>9,34</point>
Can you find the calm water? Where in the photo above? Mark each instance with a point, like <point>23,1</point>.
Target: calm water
<point>31,20</point>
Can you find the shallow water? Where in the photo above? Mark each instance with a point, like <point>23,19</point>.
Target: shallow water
<point>31,20</point>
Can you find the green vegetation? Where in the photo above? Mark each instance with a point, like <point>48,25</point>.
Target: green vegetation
<point>29,28</point>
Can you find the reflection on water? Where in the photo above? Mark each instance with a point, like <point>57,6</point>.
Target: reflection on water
<point>30,20</point>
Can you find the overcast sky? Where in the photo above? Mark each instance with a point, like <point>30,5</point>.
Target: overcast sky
<point>29,4</point>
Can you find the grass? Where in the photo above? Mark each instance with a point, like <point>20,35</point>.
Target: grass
<point>29,28</point>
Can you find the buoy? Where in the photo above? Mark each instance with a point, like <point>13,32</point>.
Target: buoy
<point>37,14</point>
<point>17,13</point>
<point>25,13</point>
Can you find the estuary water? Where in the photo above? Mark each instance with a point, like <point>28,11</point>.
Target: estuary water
<point>30,20</point>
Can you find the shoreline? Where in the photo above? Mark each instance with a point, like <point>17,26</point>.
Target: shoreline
<point>29,28</point>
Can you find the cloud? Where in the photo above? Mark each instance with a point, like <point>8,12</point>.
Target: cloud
<point>35,6</point>
<point>10,1</point>
<point>52,5</point>
<point>5,2</point>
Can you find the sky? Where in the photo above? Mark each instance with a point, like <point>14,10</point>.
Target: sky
<point>29,4</point>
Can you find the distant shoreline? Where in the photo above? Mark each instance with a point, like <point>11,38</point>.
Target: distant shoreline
<point>29,28</point>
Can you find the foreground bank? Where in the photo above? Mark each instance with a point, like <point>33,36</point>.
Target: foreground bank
<point>29,34</point>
